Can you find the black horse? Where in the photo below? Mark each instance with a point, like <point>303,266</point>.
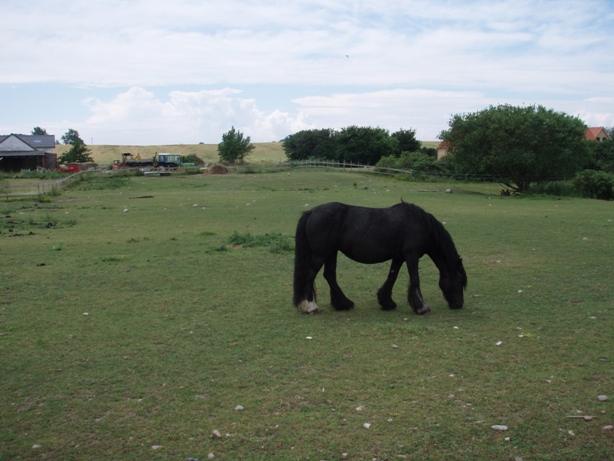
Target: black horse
<point>401,233</point>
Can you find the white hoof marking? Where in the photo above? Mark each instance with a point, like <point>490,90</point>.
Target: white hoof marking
<point>308,307</point>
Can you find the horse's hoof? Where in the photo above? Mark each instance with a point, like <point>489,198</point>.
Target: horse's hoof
<point>344,307</point>
<point>308,307</point>
<point>390,306</point>
<point>423,310</point>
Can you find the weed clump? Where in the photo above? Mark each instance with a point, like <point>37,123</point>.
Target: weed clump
<point>276,242</point>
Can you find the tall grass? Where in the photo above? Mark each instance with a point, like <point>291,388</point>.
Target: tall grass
<point>554,188</point>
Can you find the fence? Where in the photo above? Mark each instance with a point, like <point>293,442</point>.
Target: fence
<point>326,164</point>
<point>281,166</point>
<point>36,188</point>
<point>348,166</point>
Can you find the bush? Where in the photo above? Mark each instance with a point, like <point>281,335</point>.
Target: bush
<point>276,242</point>
<point>192,158</point>
<point>595,184</point>
<point>555,188</point>
<point>418,163</point>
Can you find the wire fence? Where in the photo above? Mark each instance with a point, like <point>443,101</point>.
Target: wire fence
<point>328,164</point>
<point>10,190</point>
<point>349,166</point>
<point>275,166</point>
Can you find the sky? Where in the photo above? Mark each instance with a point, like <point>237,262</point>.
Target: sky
<point>150,72</point>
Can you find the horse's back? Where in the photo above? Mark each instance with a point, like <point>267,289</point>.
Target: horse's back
<point>324,224</point>
<point>368,235</point>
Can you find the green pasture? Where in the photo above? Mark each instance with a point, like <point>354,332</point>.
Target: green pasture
<point>138,315</point>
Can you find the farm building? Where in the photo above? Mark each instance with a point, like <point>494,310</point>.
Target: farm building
<point>27,152</point>
<point>442,149</point>
<point>596,133</point>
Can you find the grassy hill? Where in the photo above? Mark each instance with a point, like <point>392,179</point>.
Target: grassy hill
<point>265,152</point>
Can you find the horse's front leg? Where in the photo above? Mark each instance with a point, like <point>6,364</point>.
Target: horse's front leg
<point>384,294</point>
<point>414,295</point>
<point>337,299</point>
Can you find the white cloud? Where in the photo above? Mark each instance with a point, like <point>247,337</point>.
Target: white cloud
<point>427,111</point>
<point>186,117</point>
<point>148,43</point>
<point>341,62</point>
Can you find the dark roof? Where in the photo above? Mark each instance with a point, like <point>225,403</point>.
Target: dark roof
<point>34,153</point>
<point>37,141</point>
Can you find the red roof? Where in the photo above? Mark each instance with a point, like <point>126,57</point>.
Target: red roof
<point>592,133</point>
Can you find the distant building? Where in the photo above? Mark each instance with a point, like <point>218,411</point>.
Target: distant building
<point>596,133</point>
<point>442,149</point>
<point>27,152</point>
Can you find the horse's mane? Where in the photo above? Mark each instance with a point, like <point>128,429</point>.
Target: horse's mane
<point>435,229</point>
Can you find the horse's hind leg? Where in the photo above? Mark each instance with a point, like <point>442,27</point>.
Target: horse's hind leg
<point>384,294</point>
<point>337,299</point>
<point>307,295</point>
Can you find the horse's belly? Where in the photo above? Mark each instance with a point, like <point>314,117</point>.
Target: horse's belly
<point>372,255</point>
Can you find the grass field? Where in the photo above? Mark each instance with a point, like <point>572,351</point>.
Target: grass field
<point>134,324</point>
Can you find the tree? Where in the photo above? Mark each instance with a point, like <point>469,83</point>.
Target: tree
<point>234,147</point>
<point>72,137</point>
<point>517,145</point>
<point>306,144</point>
<point>595,184</point>
<point>78,153</point>
<point>602,156</point>
<point>37,130</point>
<point>407,141</point>
<point>364,145</point>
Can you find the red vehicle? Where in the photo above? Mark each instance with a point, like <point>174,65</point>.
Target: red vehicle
<point>68,169</point>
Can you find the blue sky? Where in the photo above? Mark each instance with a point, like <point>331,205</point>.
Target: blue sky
<point>139,72</point>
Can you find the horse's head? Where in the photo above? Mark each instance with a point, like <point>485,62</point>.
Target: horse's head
<point>453,283</point>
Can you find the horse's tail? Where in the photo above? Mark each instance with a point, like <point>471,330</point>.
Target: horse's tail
<point>302,263</point>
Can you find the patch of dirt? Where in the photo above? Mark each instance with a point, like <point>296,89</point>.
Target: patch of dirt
<point>217,169</point>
